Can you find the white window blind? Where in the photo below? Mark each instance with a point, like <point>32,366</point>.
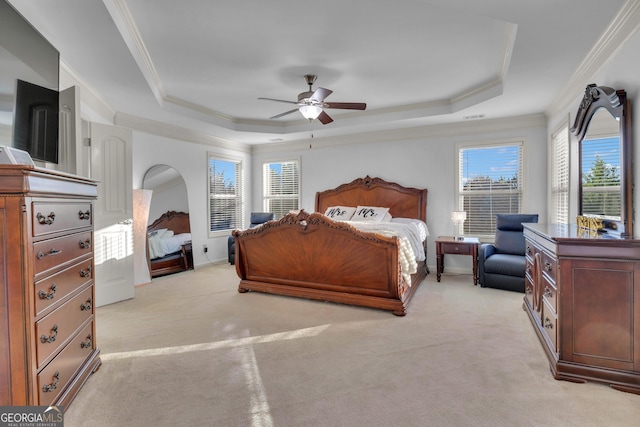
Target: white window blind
<point>281,191</point>
<point>489,182</point>
<point>601,176</point>
<point>560,176</point>
<point>225,194</point>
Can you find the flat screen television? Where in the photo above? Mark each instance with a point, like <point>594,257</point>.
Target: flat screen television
<point>35,121</point>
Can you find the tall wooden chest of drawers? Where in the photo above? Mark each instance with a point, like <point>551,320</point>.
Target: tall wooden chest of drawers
<point>583,300</point>
<point>47,329</point>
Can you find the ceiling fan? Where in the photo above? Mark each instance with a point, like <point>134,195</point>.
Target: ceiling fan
<point>312,103</point>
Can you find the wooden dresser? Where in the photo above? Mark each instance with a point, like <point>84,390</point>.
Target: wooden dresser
<point>47,331</point>
<point>583,300</point>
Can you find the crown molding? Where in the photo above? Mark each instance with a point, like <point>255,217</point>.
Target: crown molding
<point>622,27</point>
<point>176,132</point>
<point>458,129</point>
<point>89,97</point>
<point>128,29</point>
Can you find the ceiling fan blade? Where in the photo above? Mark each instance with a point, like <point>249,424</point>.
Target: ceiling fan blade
<point>346,105</point>
<point>320,94</point>
<point>279,100</point>
<point>324,118</point>
<point>284,114</point>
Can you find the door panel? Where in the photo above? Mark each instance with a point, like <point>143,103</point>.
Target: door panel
<point>111,165</point>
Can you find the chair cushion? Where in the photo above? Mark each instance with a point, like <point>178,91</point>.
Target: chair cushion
<point>505,264</point>
<point>509,237</point>
<point>258,218</point>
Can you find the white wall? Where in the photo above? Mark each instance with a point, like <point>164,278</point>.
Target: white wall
<point>191,161</point>
<point>423,158</point>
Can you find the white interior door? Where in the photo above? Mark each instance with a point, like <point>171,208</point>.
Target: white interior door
<point>111,166</point>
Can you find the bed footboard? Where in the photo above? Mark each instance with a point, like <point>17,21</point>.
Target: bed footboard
<point>310,256</point>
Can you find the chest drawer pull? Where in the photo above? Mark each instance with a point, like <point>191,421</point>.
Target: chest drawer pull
<point>87,343</point>
<point>53,251</point>
<point>85,244</point>
<point>547,323</point>
<point>50,387</point>
<point>547,266</point>
<point>547,292</point>
<point>86,306</point>
<point>51,338</point>
<point>46,220</point>
<point>48,296</point>
<point>86,272</point>
<point>84,215</point>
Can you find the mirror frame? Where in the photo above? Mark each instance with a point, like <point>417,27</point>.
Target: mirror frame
<point>617,104</point>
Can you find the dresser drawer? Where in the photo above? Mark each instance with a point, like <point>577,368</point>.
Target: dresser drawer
<point>550,324</point>
<point>528,290</point>
<point>54,252</point>
<point>550,295</point>
<point>55,376</point>
<point>55,328</point>
<point>549,266</point>
<point>454,248</point>
<point>52,217</point>
<point>53,289</point>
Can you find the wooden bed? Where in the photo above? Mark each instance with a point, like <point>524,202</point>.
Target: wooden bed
<point>175,262</point>
<point>311,256</point>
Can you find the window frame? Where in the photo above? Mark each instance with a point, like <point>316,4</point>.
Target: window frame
<point>267,198</point>
<point>464,228</point>
<point>240,222</point>
<point>560,175</point>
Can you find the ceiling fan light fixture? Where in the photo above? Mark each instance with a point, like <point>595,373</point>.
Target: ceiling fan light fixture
<point>310,112</point>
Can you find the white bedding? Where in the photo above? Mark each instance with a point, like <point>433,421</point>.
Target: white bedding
<point>410,232</point>
<point>164,242</point>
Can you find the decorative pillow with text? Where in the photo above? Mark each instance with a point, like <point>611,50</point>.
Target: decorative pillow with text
<point>340,213</point>
<point>370,213</point>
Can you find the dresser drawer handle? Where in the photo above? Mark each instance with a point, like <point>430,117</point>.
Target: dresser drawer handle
<point>46,220</point>
<point>547,292</point>
<point>49,339</point>
<point>86,244</point>
<point>547,266</point>
<point>86,306</point>
<point>86,273</point>
<point>528,250</point>
<point>50,387</point>
<point>547,323</point>
<point>84,215</point>
<point>53,251</point>
<point>48,296</point>
<point>87,343</point>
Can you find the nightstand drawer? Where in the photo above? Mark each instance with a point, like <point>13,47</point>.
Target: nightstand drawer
<point>455,248</point>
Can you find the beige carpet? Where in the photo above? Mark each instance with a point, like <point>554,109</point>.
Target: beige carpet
<point>189,350</point>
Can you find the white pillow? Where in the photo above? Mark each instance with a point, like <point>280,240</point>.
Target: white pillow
<point>340,213</point>
<point>369,213</point>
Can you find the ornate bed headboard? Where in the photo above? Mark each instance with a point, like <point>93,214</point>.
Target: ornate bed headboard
<point>172,220</point>
<point>403,202</point>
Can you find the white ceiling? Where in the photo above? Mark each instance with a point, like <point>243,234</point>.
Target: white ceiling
<point>202,64</point>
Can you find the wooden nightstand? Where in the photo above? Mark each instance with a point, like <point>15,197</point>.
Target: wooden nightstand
<point>187,256</point>
<point>451,245</point>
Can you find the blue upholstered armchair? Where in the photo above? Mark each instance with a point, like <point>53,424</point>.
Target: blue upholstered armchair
<point>257,218</point>
<point>501,265</point>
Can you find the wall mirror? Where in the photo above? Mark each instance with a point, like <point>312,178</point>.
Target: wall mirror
<point>169,191</point>
<point>603,129</point>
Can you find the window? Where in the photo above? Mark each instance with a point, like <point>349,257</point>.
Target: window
<point>225,194</point>
<point>559,209</point>
<point>281,187</point>
<point>489,182</point>
<point>601,193</point>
